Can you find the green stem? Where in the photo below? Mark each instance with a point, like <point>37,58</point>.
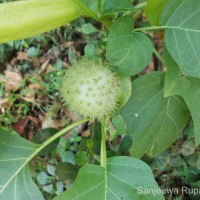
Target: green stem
<point>57,135</point>
<point>137,14</point>
<point>150,28</point>
<point>158,55</point>
<point>100,7</point>
<point>103,146</point>
<point>104,20</point>
<point>87,10</point>
<point>141,6</point>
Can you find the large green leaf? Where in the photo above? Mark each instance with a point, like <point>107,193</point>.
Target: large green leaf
<point>21,187</point>
<point>110,6</point>
<point>153,121</point>
<point>187,87</point>
<point>170,7</point>
<point>125,90</point>
<point>153,11</point>
<point>114,6</point>
<point>15,153</point>
<point>15,181</point>
<point>125,178</point>
<point>182,36</point>
<point>130,52</point>
<point>93,5</point>
<point>44,134</point>
<point>22,19</point>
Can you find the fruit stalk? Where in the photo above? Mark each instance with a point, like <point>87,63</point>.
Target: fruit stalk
<point>57,135</point>
<point>103,155</point>
<point>23,19</point>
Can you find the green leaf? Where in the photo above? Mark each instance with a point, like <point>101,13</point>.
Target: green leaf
<point>32,52</point>
<point>21,187</point>
<point>14,154</point>
<point>118,123</point>
<point>176,161</point>
<point>182,37</point>
<point>187,87</point>
<point>89,7</point>
<point>125,90</point>
<point>60,187</point>
<point>88,29</point>
<point>81,157</point>
<point>161,161</point>
<point>68,157</point>
<point>115,6</point>
<point>51,169</point>
<point>48,188</point>
<point>43,178</point>
<point>66,171</point>
<point>42,136</point>
<point>117,127</point>
<point>153,121</point>
<point>153,11</point>
<point>169,9</point>
<point>90,51</point>
<point>125,145</point>
<point>142,1</point>
<point>129,52</point>
<point>22,19</point>
<point>94,182</point>
<point>187,148</point>
<point>93,5</point>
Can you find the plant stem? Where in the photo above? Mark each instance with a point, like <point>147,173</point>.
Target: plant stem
<point>100,7</point>
<point>141,6</point>
<point>104,20</point>
<point>150,28</point>
<point>43,161</point>
<point>87,10</point>
<point>158,55</point>
<point>103,146</point>
<point>57,135</point>
<point>137,14</point>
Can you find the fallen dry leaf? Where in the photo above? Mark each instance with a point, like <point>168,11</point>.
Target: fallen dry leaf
<point>34,86</point>
<point>13,80</point>
<point>4,103</point>
<point>44,67</point>
<point>85,133</point>
<point>19,127</point>
<point>20,56</point>
<point>27,126</point>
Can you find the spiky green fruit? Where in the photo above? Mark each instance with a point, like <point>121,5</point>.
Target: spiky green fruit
<point>90,89</point>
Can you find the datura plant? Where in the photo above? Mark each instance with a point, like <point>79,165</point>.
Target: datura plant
<point>153,109</point>
<point>94,92</point>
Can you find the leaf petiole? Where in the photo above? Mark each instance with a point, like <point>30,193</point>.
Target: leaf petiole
<point>100,7</point>
<point>57,135</point>
<point>140,6</point>
<point>103,156</point>
<point>158,56</point>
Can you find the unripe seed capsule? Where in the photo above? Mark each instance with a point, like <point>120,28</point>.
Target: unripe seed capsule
<point>90,89</point>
